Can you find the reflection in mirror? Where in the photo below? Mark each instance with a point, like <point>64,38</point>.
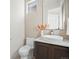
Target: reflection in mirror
<point>54,18</point>
<point>52,11</point>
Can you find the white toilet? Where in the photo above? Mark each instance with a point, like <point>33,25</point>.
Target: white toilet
<point>26,52</point>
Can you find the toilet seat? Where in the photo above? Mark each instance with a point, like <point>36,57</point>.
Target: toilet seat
<point>23,51</point>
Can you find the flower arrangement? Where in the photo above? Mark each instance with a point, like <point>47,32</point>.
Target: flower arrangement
<point>41,26</point>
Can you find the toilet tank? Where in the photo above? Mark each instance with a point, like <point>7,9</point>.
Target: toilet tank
<point>30,42</point>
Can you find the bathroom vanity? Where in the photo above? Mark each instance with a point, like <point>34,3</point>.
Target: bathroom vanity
<point>53,49</point>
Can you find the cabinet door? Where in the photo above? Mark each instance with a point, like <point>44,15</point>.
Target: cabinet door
<point>61,53</point>
<point>51,52</point>
<point>41,52</point>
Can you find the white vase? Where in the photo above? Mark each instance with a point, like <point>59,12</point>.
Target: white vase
<point>42,33</point>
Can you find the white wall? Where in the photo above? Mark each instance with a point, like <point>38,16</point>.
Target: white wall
<point>32,20</point>
<point>16,27</point>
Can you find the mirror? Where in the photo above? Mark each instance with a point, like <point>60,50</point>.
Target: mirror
<point>53,13</point>
<point>56,15</point>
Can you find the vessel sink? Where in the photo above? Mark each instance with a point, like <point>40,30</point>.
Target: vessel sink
<point>53,37</point>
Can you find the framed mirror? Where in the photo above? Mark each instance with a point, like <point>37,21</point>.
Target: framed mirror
<point>56,15</point>
<point>53,13</point>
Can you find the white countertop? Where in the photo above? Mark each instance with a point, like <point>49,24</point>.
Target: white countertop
<point>64,42</point>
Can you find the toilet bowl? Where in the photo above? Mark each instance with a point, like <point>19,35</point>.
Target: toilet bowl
<point>26,52</point>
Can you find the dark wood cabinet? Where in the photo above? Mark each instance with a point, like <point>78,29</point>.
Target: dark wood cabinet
<point>49,51</point>
<point>61,52</point>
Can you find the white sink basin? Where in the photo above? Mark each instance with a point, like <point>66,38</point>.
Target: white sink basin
<point>53,37</point>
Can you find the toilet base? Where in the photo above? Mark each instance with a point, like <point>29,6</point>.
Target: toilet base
<point>28,57</point>
<point>24,57</point>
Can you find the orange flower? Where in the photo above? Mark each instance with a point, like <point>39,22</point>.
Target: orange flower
<point>41,26</point>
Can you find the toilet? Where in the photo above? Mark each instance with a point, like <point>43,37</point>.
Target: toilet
<point>26,52</point>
